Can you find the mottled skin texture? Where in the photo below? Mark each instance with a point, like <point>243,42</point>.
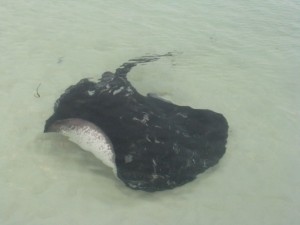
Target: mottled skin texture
<point>158,145</point>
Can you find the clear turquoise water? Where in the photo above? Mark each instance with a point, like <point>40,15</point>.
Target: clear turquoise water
<point>240,58</point>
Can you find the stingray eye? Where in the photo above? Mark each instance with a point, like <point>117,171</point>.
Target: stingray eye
<point>107,75</point>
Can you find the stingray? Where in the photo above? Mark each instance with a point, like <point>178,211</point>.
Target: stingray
<point>150,143</point>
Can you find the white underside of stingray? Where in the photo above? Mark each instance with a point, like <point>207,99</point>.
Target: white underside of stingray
<point>89,137</point>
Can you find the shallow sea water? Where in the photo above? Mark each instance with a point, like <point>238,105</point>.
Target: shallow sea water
<point>239,58</point>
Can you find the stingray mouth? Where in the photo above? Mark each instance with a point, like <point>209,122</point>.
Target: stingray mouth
<point>69,123</point>
<point>55,126</point>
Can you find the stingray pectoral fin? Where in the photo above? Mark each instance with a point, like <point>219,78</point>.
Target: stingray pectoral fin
<point>160,97</point>
<point>88,136</point>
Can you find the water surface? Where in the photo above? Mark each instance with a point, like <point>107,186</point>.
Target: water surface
<point>239,58</point>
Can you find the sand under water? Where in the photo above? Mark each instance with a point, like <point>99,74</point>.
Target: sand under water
<point>234,57</point>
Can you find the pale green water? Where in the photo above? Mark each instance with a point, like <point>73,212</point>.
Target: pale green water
<point>240,58</point>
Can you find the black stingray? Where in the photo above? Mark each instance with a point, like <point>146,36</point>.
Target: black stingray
<point>157,145</point>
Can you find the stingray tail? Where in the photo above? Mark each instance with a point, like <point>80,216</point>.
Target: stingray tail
<point>126,67</point>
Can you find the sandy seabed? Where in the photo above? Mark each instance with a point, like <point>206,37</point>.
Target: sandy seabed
<point>240,59</point>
